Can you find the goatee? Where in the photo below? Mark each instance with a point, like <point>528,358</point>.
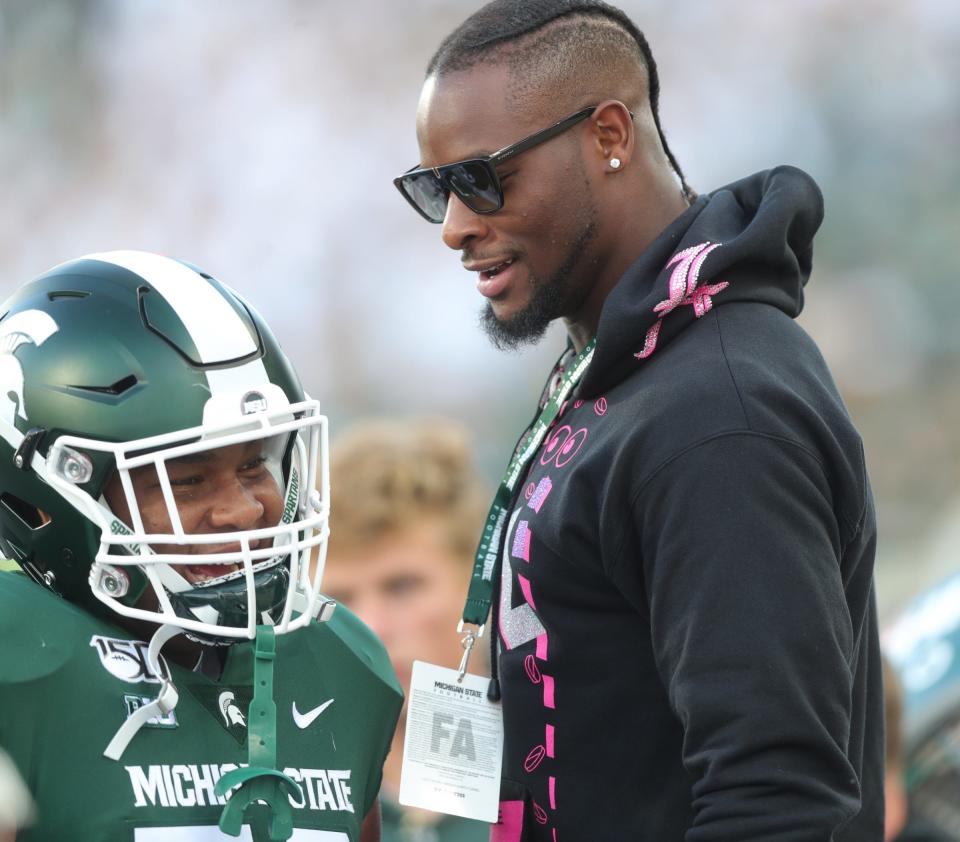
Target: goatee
<point>548,301</point>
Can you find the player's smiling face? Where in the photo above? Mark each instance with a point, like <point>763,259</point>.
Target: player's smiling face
<point>226,489</point>
<point>530,259</point>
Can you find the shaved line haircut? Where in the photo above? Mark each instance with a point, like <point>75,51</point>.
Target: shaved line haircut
<point>554,46</point>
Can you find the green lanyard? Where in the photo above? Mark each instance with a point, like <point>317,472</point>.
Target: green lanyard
<point>480,592</point>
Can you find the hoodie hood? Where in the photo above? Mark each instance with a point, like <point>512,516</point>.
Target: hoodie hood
<point>749,241</point>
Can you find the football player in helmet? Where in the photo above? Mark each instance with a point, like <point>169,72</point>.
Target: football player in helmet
<point>163,479</point>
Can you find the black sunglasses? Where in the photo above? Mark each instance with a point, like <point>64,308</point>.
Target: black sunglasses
<point>475,181</point>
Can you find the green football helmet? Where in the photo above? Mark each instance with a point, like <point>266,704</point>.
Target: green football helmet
<point>124,377</point>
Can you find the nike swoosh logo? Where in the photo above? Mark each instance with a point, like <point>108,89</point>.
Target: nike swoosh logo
<point>304,720</point>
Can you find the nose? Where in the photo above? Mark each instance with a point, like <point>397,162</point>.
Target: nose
<point>236,507</point>
<point>460,224</point>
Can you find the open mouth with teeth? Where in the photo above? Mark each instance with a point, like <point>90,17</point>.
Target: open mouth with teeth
<point>493,271</point>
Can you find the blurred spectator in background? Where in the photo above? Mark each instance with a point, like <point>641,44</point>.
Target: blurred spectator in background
<point>895,789</point>
<point>901,824</point>
<point>407,506</point>
<point>16,808</point>
<point>923,717</point>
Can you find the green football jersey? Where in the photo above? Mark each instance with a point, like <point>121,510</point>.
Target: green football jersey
<point>69,679</point>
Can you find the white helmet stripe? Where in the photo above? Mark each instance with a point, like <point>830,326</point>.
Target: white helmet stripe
<point>237,378</point>
<point>217,331</point>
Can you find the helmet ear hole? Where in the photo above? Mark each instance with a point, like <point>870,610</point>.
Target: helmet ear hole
<point>29,516</point>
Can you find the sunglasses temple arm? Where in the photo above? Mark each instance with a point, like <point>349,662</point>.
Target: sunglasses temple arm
<point>509,152</point>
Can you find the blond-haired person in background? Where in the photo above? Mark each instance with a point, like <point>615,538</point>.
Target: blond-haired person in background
<point>16,807</point>
<point>407,507</point>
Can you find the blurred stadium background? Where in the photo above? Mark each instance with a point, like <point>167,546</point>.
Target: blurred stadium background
<point>258,140</point>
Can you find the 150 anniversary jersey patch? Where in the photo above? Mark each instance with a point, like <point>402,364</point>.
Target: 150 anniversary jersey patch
<point>127,660</point>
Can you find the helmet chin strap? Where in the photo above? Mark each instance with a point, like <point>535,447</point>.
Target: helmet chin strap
<point>165,702</point>
<point>260,781</point>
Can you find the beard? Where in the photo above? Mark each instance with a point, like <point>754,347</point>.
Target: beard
<point>548,300</point>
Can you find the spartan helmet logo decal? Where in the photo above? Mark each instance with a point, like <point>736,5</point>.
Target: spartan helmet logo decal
<point>29,326</point>
<point>232,715</point>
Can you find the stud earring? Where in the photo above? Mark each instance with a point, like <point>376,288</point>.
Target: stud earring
<point>615,163</point>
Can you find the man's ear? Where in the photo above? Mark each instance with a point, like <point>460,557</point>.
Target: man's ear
<point>613,135</point>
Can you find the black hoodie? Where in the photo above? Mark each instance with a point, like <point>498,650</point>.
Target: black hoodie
<point>687,625</point>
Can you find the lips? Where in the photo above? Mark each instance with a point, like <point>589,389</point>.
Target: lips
<point>494,276</point>
<point>199,574</point>
<point>493,271</point>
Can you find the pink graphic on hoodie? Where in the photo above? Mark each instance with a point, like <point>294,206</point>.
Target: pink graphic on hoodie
<point>683,291</point>
<point>521,541</point>
<point>549,699</point>
<point>683,280</point>
<point>539,495</point>
<point>571,447</point>
<point>521,624</point>
<point>532,670</point>
<point>509,826</point>
<point>554,444</point>
<point>563,445</point>
<point>542,646</point>
<point>534,758</point>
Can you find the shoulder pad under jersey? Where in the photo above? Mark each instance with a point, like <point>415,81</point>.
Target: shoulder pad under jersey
<point>358,637</point>
<point>39,631</point>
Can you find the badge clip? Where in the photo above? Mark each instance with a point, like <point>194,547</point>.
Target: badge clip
<point>467,643</point>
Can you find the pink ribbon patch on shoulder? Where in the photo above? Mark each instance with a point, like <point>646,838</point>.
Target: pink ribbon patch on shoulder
<point>684,290</point>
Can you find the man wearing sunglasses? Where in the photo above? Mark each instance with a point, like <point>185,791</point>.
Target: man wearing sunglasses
<point>683,542</point>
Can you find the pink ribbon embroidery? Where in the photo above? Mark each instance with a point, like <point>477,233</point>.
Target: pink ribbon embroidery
<point>683,291</point>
